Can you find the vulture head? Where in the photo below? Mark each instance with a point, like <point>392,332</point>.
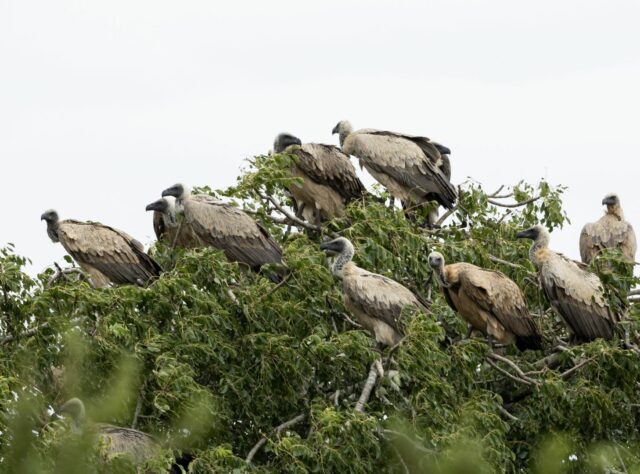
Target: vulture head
<point>611,199</point>
<point>343,129</point>
<point>442,149</point>
<point>51,218</point>
<point>178,191</point>
<point>74,408</point>
<point>436,262</point>
<point>167,207</point>
<point>342,249</point>
<point>285,140</point>
<point>536,233</point>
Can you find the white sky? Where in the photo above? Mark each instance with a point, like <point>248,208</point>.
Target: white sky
<point>104,104</point>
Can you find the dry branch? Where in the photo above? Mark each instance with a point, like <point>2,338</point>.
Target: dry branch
<point>28,333</point>
<point>521,376</point>
<point>517,204</point>
<point>292,218</point>
<point>277,430</point>
<point>368,387</point>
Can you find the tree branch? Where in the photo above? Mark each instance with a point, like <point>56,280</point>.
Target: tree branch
<point>28,333</point>
<point>368,387</point>
<point>288,215</point>
<point>521,377</point>
<point>277,430</point>
<point>517,204</point>
<point>567,373</point>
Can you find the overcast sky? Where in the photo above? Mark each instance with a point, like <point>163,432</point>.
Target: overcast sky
<point>104,104</point>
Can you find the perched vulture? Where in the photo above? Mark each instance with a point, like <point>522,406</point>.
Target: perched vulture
<point>576,294</point>
<point>113,440</point>
<point>488,301</point>
<point>329,179</point>
<point>610,231</point>
<point>225,227</point>
<point>375,300</point>
<point>108,255</point>
<point>413,169</point>
<point>167,227</point>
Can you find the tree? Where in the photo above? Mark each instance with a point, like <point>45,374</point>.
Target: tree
<point>242,374</point>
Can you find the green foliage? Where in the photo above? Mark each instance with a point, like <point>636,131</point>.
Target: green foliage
<point>210,358</point>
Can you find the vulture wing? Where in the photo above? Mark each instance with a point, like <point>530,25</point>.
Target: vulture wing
<point>230,229</point>
<point>412,165</point>
<point>499,296</point>
<point>328,165</point>
<point>608,232</point>
<point>380,297</point>
<point>117,440</point>
<point>578,297</point>
<point>115,254</point>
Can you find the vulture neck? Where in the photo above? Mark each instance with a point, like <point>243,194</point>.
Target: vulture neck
<point>542,242</point>
<point>616,211</point>
<point>442,277</point>
<point>52,231</point>
<point>341,261</point>
<point>345,131</point>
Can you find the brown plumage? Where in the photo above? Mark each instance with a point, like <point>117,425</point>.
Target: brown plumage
<point>170,227</point>
<point>108,255</point>
<point>488,301</point>
<point>329,180</point>
<point>414,169</point>
<point>375,300</point>
<point>112,440</point>
<point>576,294</point>
<point>611,231</point>
<point>225,227</point>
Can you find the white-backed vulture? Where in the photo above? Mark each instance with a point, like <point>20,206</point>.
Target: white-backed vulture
<point>108,255</point>
<point>414,169</point>
<point>576,294</point>
<point>611,231</point>
<point>329,180</point>
<point>112,440</point>
<point>225,227</point>
<point>168,228</point>
<point>375,300</point>
<point>489,301</point>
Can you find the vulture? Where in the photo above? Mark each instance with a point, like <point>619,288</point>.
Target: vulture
<point>225,227</point>
<point>329,179</point>
<point>575,294</point>
<point>489,301</point>
<point>375,300</point>
<point>610,231</point>
<point>414,169</point>
<point>108,255</point>
<point>113,440</point>
<point>167,227</point>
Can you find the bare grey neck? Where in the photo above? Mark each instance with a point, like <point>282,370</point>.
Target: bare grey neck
<point>542,242</point>
<point>345,131</point>
<point>341,260</point>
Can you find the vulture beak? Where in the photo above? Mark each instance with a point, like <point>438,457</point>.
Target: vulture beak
<point>329,247</point>
<point>159,205</point>
<point>525,234</point>
<point>174,191</point>
<point>609,201</point>
<point>43,217</point>
<point>335,130</point>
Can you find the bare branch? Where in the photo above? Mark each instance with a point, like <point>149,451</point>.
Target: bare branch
<point>510,264</point>
<point>368,387</point>
<point>521,375</point>
<point>446,215</point>
<point>517,204</point>
<point>28,333</point>
<point>567,373</point>
<point>494,194</point>
<point>289,215</point>
<point>508,415</point>
<point>279,429</point>
<point>62,274</point>
<point>276,288</point>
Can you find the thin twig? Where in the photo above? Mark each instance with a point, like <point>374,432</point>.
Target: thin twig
<point>514,366</point>
<point>175,238</point>
<point>517,204</point>
<point>495,259</point>
<point>444,216</point>
<point>136,413</point>
<point>276,288</point>
<point>288,214</point>
<point>566,373</point>
<point>493,195</point>
<point>508,374</point>
<point>351,321</point>
<point>368,387</point>
<point>279,429</point>
<point>508,415</point>
<point>417,446</point>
